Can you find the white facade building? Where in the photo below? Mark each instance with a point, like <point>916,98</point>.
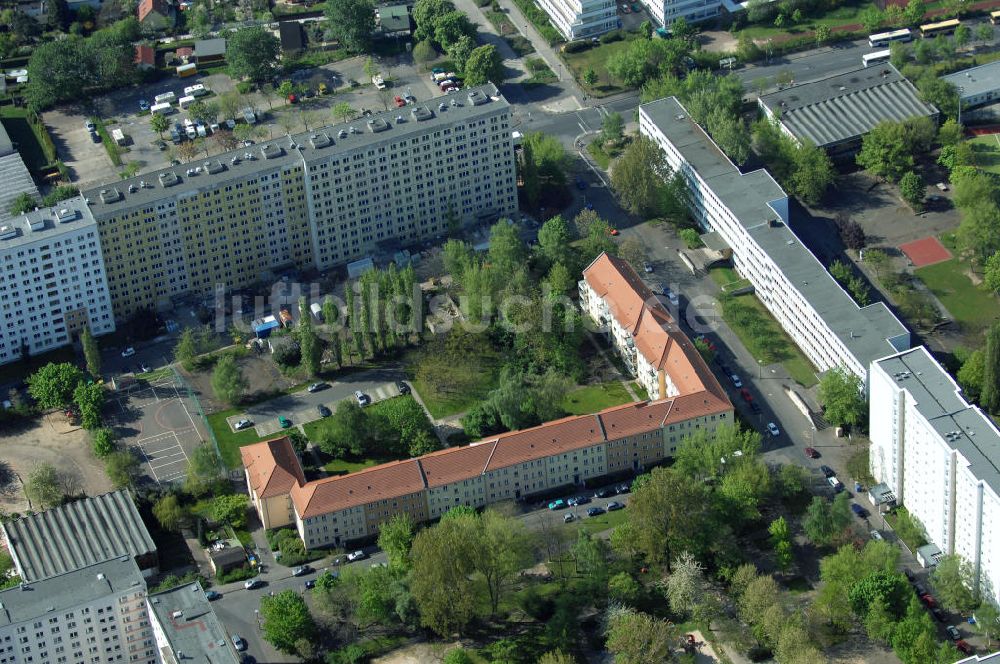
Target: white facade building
<point>750,212</point>
<point>665,12</point>
<point>92,615</point>
<point>52,280</point>
<point>939,455</point>
<point>579,19</point>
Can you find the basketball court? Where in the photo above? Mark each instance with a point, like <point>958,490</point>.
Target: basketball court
<point>160,423</point>
<point>926,251</point>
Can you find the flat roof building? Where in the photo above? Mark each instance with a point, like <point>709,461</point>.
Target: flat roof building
<point>318,199</point>
<point>834,113</point>
<point>580,19</point>
<point>53,282</point>
<point>750,212</point>
<point>976,86</point>
<point>78,534</point>
<point>665,12</point>
<point>95,614</point>
<point>186,628</point>
<point>940,456</point>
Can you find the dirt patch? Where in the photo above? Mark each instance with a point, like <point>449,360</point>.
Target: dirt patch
<point>418,653</point>
<point>717,41</point>
<point>261,372</point>
<point>51,440</point>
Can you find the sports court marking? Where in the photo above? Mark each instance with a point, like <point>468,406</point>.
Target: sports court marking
<point>165,455</point>
<point>925,251</point>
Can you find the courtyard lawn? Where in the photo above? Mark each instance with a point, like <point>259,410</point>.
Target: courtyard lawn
<point>343,466</point>
<point>596,58</point>
<point>441,405</point>
<point>599,524</point>
<point>593,398</point>
<point>971,306</point>
<point>230,442</point>
<point>987,152</point>
<point>764,338</point>
<point>25,136</point>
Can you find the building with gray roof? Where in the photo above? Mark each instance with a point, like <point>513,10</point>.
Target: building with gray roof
<point>750,213</point>
<point>52,279</point>
<point>14,176</point>
<point>78,534</point>
<point>940,456</point>
<point>834,113</point>
<point>186,628</point>
<point>95,613</point>
<point>976,86</point>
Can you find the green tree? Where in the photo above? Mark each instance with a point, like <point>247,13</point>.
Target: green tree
<point>781,542</point>
<point>988,622</point>
<point>639,177</point>
<point>612,127</point>
<point>885,151</point>
<point>879,623</point>
<point>451,27</point>
<point>871,19</point>
<point>484,65</point>
<point>58,70</point>
<point>159,123</point>
<point>426,14</point>
<point>590,77</point>
<point>441,578</point>
<point>890,587</point>
<point>309,344</point>
<point>500,550</point>
<point>911,188</point>
<point>424,51</point>
<point>457,656</point>
<point>186,349</point>
<point>91,352</point>
<point>343,112</point>
<point>822,524</point>
<point>169,512</point>
<point>840,392</point>
<point>351,22</point>
<point>813,172</point>
<point>554,657</point>
<point>555,242</point>
<point>89,399</point>
<point>638,638</point>
<point>231,509</point>
<point>460,51</point>
<point>395,537</point>
<point>989,396</point>
<point>206,111</point>
<point>203,469</point>
<point>53,385</point>
<point>984,32</point>
<point>962,36</point>
<point>122,468</point>
<point>914,12</point>
<point>228,382</point>
<point>954,584</point>
<point>252,52</point>
<point>970,375</point>
<point>346,430</point>
<point>104,443</point>
<point>286,620</point>
<point>685,588</point>
<point>623,587</point>
<point>44,487</point>
<point>822,34</point>
<point>950,133</point>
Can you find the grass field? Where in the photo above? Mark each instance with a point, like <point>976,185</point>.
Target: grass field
<point>15,121</point>
<point>230,442</point>
<point>596,58</point>
<point>973,307</point>
<point>987,152</point>
<point>447,405</point>
<point>343,467</point>
<point>593,398</point>
<point>606,521</point>
<point>845,15</point>
<point>765,339</point>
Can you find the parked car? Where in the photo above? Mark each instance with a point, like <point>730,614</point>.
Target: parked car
<point>671,296</point>
<point>647,267</point>
<point>212,595</point>
<point>90,126</point>
<point>745,393</point>
<point>835,483</point>
<point>772,429</point>
<point>402,387</point>
<point>736,381</point>
<point>316,387</point>
<point>595,511</point>
<point>602,493</point>
<point>576,501</point>
<point>399,101</point>
<point>919,589</point>
<point>754,406</point>
<point>250,584</point>
<point>310,584</point>
<point>143,105</point>
<point>859,511</point>
<point>613,231</point>
<point>623,488</point>
<point>938,614</point>
<point>323,411</point>
<point>953,632</point>
<point>361,397</point>
<point>239,643</point>
<point>581,184</point>
<point>243,424</point>
<point>964,647</point>
<point>284,422</point>
<point>910,576</point>
<point>568,517</point>
<point>615,505</point>
<point>811,453</point>
<point>128,352</point>
<point>301,570</point>
<point>557,504</point>
<point>356,555</point>
<point>827,471</point>
<point>929,600</point>
<point>876,535</point>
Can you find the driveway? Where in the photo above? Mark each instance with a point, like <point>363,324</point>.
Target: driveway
<point>300,407</point>
<point>87,161</point>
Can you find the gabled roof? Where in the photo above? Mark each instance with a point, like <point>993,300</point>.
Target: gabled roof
<point>385,482</point>
<point>145,55</point>
<point>553,437</point>
<point>456,463</point>
<point>78,534</point>
<point>147,7</point>
<point>272,467</point>
<point>210,47</point>
<point>614,280</point>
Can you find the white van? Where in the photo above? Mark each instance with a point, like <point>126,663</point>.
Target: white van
<point>185,102</point>
<point>165,98</point>
<point>161,109</point>
<point>196,90</point>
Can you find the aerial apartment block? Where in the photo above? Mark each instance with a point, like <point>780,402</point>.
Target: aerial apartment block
<point>52,280</point>
<point>185,628</point>
<point>510,466</point>
<point>313,200</point>
<point>750,213</point>
<point>641,330</point>
<point>665,12</point>
<point>580,19</point>
<point>94,614</point>
<point>940,457</point>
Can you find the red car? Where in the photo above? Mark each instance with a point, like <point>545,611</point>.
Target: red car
<point>811,453</point>
<point>293,99</point>
<point>963,646</point>
<point>929,600</point>
<point>745,393</point>
<point>400,103</point>
<point>613,231</point>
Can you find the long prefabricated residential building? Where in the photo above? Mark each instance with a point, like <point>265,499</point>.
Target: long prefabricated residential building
<point>750,212</point>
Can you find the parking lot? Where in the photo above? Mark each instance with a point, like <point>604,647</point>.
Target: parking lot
<point>87,161</point>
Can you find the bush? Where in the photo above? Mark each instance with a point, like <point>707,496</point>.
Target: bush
<point>238,574</point>
<point>613,36</point>
<point>578,46</point>
<point>690,237</point>
<point>172,581</point>
<point>245,87</point>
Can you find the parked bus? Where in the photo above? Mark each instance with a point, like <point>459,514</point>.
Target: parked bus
<point>995,17</point>
<point>878,56</point>
<point>942,28</point>
<point>884,38</point>
<point>184,102</point>
<point>161,109</point>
